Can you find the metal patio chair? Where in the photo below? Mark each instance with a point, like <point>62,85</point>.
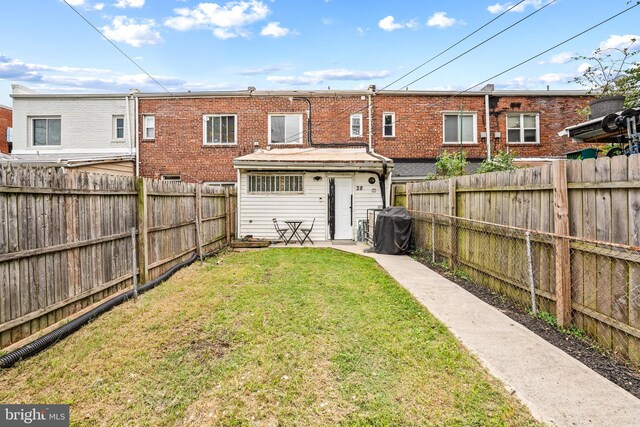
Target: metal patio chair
<point>306,233</point>
<point>281,231</point>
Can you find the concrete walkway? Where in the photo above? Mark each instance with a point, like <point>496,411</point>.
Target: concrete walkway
<point>557,389</point>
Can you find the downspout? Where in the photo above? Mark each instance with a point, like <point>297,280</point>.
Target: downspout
<point>309,139</point>
<point>370,123</point>
<point>128,112</point>
<point>487,125</point>
<point>137,122</point>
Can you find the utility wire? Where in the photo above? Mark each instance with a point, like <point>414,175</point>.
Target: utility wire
<point>293,137</point>
<point>119,50</point>
<point>549,49</point>
<point>453,45</point>
<point>478,45</point>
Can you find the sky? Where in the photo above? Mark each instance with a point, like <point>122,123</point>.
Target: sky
<point>301,44</point>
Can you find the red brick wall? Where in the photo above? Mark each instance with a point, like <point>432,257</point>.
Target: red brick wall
<point>178,146</point>
<point>5,122</point>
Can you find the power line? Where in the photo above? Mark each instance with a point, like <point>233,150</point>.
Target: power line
<point>549,49</point>
<point>454,59</point>
<point>119,50</point>
<point>453,45</point>
<point>478,45</point>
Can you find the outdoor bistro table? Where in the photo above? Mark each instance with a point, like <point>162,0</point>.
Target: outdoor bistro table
<point>294,225</point>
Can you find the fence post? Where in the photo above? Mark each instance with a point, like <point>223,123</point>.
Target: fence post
<point>392,202</point>
<point>453,235</point>
<point>143,253</point>
<point>134,261</point>
<point>532,286</point>
<point>227,214</point>
<point>561,244</point>
<point>407,191</point>
<point>198,221</point>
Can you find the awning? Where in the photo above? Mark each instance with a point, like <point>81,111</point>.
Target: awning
<point>300,159</point>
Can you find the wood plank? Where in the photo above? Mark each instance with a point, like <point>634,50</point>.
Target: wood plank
<point>620,234</point>
<point>563,254</point>
<point>589,232</point>
<point>574,175</point>
<point>634,268</point>
<point>603,263</point>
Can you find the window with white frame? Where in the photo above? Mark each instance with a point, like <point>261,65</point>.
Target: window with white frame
<point>523,128</point>
<point>389,124</point>
<point>275,184</point>
<point>46,131</point>
<point>356,125</point>
<point>460,128</point>
<point>148,127</point>
<point>285,128</point>
<point>118,128</point>
<point>219,129</point>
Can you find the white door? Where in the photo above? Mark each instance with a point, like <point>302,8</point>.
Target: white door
<point>344,211</point>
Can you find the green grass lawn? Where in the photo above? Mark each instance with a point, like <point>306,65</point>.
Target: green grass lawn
<point>276,337</point>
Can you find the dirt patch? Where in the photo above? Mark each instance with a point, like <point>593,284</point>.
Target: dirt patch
<point>204,349</point>
<point>620,372</point>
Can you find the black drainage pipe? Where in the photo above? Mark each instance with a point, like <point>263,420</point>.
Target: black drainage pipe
<point>10,359</point>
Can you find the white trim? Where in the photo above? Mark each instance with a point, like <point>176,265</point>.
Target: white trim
<point>114,128</point>
<point>33,150</point>
<point>298,140</point>
<point>205,119</point>
<point>522,128</point>
<point>393,124</point>
<point>30,130</point>
<point>473,114</point>
<point>144,127</point>
<point>351,134</point>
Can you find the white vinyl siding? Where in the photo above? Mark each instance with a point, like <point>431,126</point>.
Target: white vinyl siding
<point>389,125</point>
<point>285,128</point>
<point>366,196</point>
<point>523,128</point>
<point>46,131</point>
<point>219,129</point>
<point>149,127</point>
<point>356,125</point>
<point>459,128</point>
<point>258,210</point>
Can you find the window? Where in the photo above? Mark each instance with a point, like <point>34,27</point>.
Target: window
<point>356,125</point>
<point>46,131</point>
<point>220,129</point>
<point>460,128</point>
<point>275,184</point>
<point>389,124</point>
<point>523,128</point>
<point>149,127</point>
<point>285,129</point>
<point>175,178</point>
<point>118,128</point>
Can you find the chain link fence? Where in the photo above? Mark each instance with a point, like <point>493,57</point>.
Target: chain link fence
<point>522,265</point>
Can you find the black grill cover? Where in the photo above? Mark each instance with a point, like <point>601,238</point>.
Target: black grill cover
<point>392,232</point>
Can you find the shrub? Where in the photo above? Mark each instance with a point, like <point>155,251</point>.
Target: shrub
<point>502,161</point>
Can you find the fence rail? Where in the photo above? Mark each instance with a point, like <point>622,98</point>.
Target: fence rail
<point>65,238</point>
<point>574,224</point>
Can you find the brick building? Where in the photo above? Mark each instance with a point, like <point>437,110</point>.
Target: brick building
<point>5,123</point>
<point>195,136</point>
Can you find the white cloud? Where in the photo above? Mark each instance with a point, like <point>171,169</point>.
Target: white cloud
<point>129,3</point>
<point>261,70</point>
<point>621,42</point>
<point>128,30</point>
<point>98,6</point>
<point>319,76</point>
<point>226,21</point>
<point>60,79</point>
<point>441,20</point>
<point>501,7</point>
<point>389,24</point>
<point>560,58</point>
<point>362,31</point>
<point>76,2</point>
<point>537,82</point>
<point>326,21</point>
<point>273,29</point>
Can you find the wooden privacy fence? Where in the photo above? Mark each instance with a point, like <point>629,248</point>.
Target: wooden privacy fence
<point>66,243</point>
<point>566,233</point>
